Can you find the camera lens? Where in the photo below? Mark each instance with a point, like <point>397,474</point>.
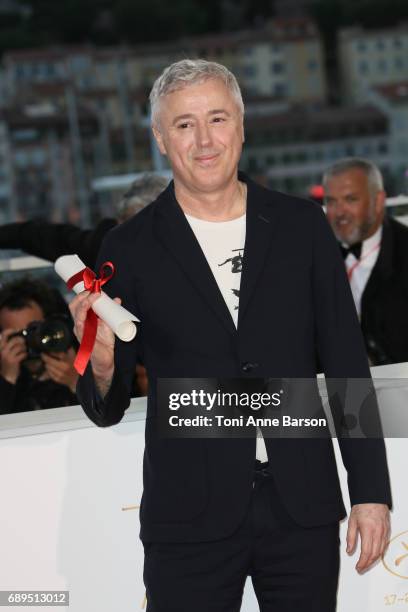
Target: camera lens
<point>52,335</point>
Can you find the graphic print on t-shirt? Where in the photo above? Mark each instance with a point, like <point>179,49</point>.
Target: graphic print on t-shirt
<point>236,268</point>
<point>219,241</point>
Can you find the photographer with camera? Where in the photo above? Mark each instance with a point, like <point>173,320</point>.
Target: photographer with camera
<point>36,349</point>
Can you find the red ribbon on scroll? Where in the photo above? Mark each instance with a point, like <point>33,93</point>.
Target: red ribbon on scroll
<point>93,284</point>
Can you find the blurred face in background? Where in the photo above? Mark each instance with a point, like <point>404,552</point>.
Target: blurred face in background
<point>20,319</point>
<point>353,210</point>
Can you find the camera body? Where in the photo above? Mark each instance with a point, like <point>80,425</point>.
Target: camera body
<point>53,335</point>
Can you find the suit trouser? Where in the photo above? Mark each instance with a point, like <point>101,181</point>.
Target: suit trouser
<point>292,568</point>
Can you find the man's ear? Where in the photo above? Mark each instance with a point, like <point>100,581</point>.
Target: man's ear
<point>380,202</point>
<point>159,140</point>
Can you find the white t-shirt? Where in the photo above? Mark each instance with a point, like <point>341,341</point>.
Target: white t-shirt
<point>222,243</point>
<point>359,271</point>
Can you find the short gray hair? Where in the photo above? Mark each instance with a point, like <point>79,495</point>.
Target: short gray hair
<point>142,191</point>
<point>372,172</point>
<point>191,72</point>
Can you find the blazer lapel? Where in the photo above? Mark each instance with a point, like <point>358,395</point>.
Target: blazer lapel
<point>383,266</point>
<point>262,221</point>
<point>174,232</point>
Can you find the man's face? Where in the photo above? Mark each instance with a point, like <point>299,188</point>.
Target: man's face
<point>200,129</point>
<point>19,319</point>
<point>353,212</point>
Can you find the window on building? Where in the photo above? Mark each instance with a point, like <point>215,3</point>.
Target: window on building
<point>366,150</point>
<point>20,72</point>
<point>51,70</point>
<point>80,62</point>
<point>397,43</point>
<point>277,67</point>
<point>334,153</point>
<point>312,65</point>
<point>84,82</point>
<point>118,151</point>
<point>380,44</point>
<point>280,90</point>
<point>25,135</point>
<point>249,71</point>
<point>399,63</point>
<point>29,70</point>
<point>42,71</point>
<point>383,147</point>
<point>21,159</point>
<point>38,157</point>
<point>301,157</point>
<point>361,46</point>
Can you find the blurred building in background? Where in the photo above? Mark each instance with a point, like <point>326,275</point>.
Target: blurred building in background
<point>393,101</point>
<point>370,58</point>
<point>43,173</point>
<point>292,146</point>
<point>73,114</point>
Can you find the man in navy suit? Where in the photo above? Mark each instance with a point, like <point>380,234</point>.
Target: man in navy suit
<point>231,280</point>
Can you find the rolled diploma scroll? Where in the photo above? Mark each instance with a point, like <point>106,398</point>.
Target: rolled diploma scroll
<point>115,316</point>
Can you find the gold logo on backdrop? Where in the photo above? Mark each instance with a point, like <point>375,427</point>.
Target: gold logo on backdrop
<point>395,559</point>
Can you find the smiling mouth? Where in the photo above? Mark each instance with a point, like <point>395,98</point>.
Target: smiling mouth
<point>206,158</point>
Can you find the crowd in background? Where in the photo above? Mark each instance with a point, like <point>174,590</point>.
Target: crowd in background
<point>35,374</point>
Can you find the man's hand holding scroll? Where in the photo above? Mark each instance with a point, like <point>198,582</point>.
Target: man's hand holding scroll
<point>102,358</point>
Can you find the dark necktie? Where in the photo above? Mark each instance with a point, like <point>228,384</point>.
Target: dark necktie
<point>355,249</point>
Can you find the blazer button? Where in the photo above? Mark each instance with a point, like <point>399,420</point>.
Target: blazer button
<point>247,366</point>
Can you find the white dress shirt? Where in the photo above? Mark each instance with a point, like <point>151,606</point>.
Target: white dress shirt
<point>359,270</point>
